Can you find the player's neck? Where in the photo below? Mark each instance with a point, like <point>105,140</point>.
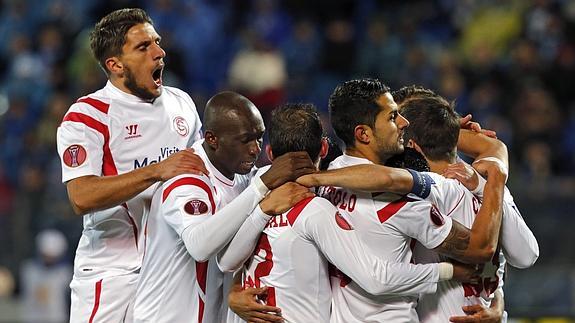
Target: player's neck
<point>438,166</point>
<point>217,162</point>
<point>364,152</point>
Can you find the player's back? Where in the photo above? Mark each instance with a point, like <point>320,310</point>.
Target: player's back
<point>386,224</point>
<point>455,201</point>
<point>292,266</point>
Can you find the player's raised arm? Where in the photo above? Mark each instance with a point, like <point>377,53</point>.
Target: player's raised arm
<point>479,244</point>
<point>478,146</point>
<point>92,193</point>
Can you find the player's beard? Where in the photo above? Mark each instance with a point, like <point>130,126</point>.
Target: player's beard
<point>387,150</point>
<point>131,83</point>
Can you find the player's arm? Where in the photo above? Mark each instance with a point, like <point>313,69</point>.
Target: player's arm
<point>207,233</point>
<point>519,244</point>
<point>371,178</point>
<point>242,245</point>
<point>479,314</point>
<point>478,146</point>
<point>323,225</point>
<point>91,193</point>
<point>244,302</point>
<point>479,244</point>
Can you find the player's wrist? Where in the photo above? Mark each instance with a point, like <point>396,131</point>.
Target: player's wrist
<point>445,270</point>
<point>421,183</point>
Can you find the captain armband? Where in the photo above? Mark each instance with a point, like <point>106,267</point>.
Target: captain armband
<point>421,183</point>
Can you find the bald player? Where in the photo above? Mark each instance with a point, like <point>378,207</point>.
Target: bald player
<point>193,216</point>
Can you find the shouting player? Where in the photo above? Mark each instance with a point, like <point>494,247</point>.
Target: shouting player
<point>114,144</point>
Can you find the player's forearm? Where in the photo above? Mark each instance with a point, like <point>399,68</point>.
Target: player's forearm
<point>211,236</point>
<point>370,178</point>
<point>477,146</point>
<point>484,233</point>
<point>242,245</point>
<point>93,193</point>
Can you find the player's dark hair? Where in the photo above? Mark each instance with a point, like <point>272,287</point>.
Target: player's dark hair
<point>412,92</point>
<point>354,103</point>
<point>109,34</point>
<point>433,123</point>
<point>295,127</point>
<point>409,158</point>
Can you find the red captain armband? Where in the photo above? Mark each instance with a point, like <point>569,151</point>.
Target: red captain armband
<point>421,183</point>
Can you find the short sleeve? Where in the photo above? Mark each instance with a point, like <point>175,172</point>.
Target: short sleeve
<point>422,221</point>
<point>81,141</point>
<point>186,201</point>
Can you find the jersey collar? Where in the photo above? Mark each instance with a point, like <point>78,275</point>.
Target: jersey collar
<point>116,93</point>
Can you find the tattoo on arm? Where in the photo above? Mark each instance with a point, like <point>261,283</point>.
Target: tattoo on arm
<point>456,242</point>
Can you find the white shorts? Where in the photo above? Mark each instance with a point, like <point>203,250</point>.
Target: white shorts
<point>103,300</point>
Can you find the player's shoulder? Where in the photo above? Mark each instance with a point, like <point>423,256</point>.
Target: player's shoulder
<point>201,183</point>
<point>92,104</point>
<point>180,94</point>
<point>311,207</point>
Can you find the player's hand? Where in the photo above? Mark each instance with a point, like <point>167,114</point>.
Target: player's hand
<point>491,168</point>
<point>288,167</point>
<point>464,174</point>
<point>245,304</point>
<point>182,162</point>
<point>466,123</point>
<point>284,198</point>
<point>466,273</point>
<point>478,313</point>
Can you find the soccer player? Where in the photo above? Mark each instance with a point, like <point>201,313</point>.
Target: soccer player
<point>293,252</point>
<point>365,117</point>
<point>114,144</point>
<point>194,216</point>
<point>434,133</point>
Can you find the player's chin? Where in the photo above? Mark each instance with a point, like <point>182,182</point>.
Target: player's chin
<point>245,167</point>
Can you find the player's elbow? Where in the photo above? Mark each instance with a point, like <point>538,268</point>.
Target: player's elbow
<point>225,266</point>
<point>481,255</point>
<point>79,206</point>
<point>526,260</point>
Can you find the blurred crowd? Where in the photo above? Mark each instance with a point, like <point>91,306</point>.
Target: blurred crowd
<point>509,63</point>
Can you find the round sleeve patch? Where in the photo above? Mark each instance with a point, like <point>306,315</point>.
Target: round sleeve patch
<point>196,207</point>
<point>436,216</point>
<point>342,222</point>
<point>74,156</point>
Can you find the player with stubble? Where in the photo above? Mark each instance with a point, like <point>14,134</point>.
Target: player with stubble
<point>365,117</point>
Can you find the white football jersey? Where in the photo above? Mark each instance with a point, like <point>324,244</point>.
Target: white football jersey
<point>110,132</point>
<point>173,287</point>
<point>295,250</point>
<point>455,201</point>
<point>388,225</point>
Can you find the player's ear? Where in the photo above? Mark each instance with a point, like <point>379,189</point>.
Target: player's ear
<point>362,133</point>
<point>211,138</point>
<point>324,148</point>
<point>414,145</point>
<point>269,152</point>
<point>115,66</point>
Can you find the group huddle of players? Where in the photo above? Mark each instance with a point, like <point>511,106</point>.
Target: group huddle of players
<point>398,229</point>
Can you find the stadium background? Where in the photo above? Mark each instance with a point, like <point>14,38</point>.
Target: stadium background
<point>510,63</point>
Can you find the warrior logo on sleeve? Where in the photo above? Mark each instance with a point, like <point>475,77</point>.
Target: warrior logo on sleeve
<point>74,156</point>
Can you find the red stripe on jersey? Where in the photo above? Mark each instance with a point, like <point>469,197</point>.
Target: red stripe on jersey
<point>108,166</point>
<point>190,181</point>
<point>296,210</point>
<point>96,300</point>
<point>101,106</point>
<point>132,222</point>
<point>201,311</point>
<point>201,278</point>
<point>392,208</point>
<point>456,204</point>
